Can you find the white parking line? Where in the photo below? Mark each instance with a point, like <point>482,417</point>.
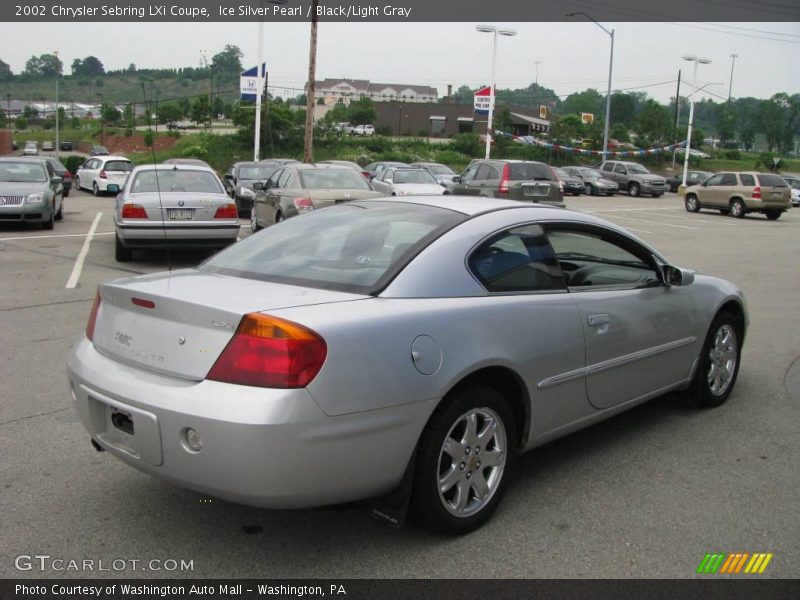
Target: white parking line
<point>660,224</point>
<point>76,270</point>
<point>717,221</point>
<point>61,235</point>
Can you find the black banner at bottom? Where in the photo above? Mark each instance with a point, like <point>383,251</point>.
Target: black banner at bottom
<point>399,589</point>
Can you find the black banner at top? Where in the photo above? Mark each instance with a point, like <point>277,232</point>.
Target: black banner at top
<point>112,11</point>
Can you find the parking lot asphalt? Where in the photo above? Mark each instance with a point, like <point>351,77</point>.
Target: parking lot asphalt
<point>645,494</point>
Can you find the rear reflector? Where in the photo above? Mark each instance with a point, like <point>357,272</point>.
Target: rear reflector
<point>503,189</point>
<point>93,317</point>
<point>270,352</point>
<point>143,303</point>
<point>133,211</point>
<point>227,212</point>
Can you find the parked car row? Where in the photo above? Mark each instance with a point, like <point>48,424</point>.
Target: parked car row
<point>31,191</point>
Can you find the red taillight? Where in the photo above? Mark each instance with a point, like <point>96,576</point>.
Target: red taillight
<point>133,211</point>
<point>558,179</point>
<point>227,212</point>
<point>503,189</point>
<point>93,317</point>
<point>757,192</point>
<point>270,352</point>
<point>303,204</point>
<point>366,174</point>
<point>103,175</point>
<point>143,303</point>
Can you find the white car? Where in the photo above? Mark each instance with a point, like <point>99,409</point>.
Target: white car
<point>408,182</point>
<point>694,152</point>
<point>98,171</point>
<point>794,185</point>
<point>364,130</point>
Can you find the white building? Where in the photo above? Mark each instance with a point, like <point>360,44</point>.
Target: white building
<point>333,91</point>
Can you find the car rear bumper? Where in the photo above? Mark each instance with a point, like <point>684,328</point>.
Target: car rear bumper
<point>760,205</point>
<point>169,234</point>
<point>263,447</point>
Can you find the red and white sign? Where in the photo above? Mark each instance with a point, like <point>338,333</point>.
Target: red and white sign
<point>484,100</point>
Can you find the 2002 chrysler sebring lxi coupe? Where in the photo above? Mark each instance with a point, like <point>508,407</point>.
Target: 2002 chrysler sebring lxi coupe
<point>389,345</point>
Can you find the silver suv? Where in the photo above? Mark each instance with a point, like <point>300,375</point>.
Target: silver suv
<point>633,178</point>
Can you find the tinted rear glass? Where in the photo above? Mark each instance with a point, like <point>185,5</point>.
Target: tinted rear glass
<point>118,165</point>
<point>530,172</point>
<point>355,247</point>
<point>771,180</point>
<point>175,180</point>
<point>337,179</point>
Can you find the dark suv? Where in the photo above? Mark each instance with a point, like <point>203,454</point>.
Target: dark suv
<point>527,181</point>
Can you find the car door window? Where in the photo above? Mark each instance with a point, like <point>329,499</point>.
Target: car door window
<point>715,180</point>
<point>485,172</point>
<point>517,260</point>
<point>620,169</point>
<point>748,180</point>
<point>469,174</point>
<point>387,175</point>
<point>591,257</point>
<point>608,167</point>
<point>272,183</point>
<point>728,179</point>
<point>285,179</point>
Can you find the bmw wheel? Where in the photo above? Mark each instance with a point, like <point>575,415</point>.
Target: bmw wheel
<point>718,365</point>
<point>464,457</point>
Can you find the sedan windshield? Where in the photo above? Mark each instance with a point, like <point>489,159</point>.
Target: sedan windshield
<point>591,174</point>
<point>175,180</point>
<point>354,247</point>
<point>337,179</point>
<point>413,176</point>
<point>22,172</point>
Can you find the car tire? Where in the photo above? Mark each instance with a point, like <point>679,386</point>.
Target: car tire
<point>588,189</point>
<point>278,217</point>
<point>773,215</point>
<point>718,365</point>
<point>453,492</point>
<point>738,209</point>
<point>121,253</point>
<point>50,223</point>
<point>77,182</point>
<point>60,213</point>
<point>254,226</point>
<point>634,190</point>
<point>692,203</point>
<point>95,189</point>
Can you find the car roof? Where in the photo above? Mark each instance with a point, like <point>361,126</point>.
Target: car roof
<point>172,167</point>
<point>310,166</point>
<point>111,157</point>
<point>34,159</point>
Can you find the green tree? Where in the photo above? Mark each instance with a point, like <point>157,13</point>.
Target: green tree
<point>201,109</point>
<point>566,129</point>
<point>653,124</point>
<point>169,112</point>
<point>5,72</point>
<point>464,95</point>
<point>502,120</point>
<point>588,101</point>
<point>619,132</point>
<point>623,108</point>
<point>44,65</point>
<point>218,107</point>
<point>228,63</point>
<point>131,68</point>
<point>362,111</point>
<point>88,67</point>
<point>747,137</point>
<point>30,112</point>
<point>726,123</point>
<point>21,123</point>
<point>110,114</point>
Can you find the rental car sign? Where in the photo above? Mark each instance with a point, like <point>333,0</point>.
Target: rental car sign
<point>484,100</point>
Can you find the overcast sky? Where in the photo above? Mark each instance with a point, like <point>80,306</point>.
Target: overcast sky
<point>573,56</point>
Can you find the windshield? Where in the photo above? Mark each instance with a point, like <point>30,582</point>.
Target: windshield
<point>175,180</point>
<point>22,172</point>
<point>637,169</point>
<point>591,174</point>
<point>413,176</point>
<point>350,247</point>
<point>441,170</point>
<point>257,172</point>
<point>336,179</point>
<point>118,165</point>
<point>563,174</point>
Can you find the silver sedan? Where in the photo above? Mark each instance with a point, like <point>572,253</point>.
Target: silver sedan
<point>395,348</point>
<point>172,205</point>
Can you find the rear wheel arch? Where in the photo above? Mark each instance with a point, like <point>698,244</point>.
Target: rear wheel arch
<point>508,384</point>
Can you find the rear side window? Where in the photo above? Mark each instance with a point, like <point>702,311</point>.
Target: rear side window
<point>771,180</point>
<point>620,169</point>
<point>748,180</point>
<point>487,172</point>
<point>517,260</point>
<point>530,172</point>
<point>729,179</point>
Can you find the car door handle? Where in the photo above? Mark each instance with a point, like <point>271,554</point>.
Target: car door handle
<point>596,320</point>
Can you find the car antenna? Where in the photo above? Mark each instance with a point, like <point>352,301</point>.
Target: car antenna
<point>155,172</point>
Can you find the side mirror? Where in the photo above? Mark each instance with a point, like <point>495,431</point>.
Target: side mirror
<point>258,186</point>
<point>57,180</point>
<point>456,178</point>
<point>673,276</point>
<point>112,188</point>
<point>228,176</point>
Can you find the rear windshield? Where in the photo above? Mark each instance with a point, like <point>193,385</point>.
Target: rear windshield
<point>333,179</point>
<point>530,172</point>
<point>175,180</point>
<point>118,165</point>
<point>771,180</point>
<point>354,247</point>
<point>22,172</point>
<point>413,176</point>
<point>257,172</point>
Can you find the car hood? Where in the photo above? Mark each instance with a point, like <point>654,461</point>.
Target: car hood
<point>417,189</point>
<point>22,188</point>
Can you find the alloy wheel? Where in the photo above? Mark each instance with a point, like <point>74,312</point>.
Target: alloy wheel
<point>723,355</point>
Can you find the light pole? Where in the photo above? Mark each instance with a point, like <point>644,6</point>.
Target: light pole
<point>260,83</point>
<point>730,86</point>
<point>610,69</point>
<point>696,60</point>
<point>495,32</point>
<point>58,141</point>
<point>536,81</point>
<point>102,122</point>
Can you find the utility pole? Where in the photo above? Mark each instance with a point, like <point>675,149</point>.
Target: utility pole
<point>58,141</point>
<point>730,86</point>
<point>677,114</point>
<point>308,150</point>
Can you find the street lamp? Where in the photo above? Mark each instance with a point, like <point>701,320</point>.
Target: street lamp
<point>610,68</point>
<point>696,60</point>
<point>102,121</point>
<point>495,32</point>
<point>58,141</point>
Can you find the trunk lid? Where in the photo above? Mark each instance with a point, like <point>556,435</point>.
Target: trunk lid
<point>326,197</point>
<point>177,325</point>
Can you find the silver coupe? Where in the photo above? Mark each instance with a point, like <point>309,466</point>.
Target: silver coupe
<point>403,348</point>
